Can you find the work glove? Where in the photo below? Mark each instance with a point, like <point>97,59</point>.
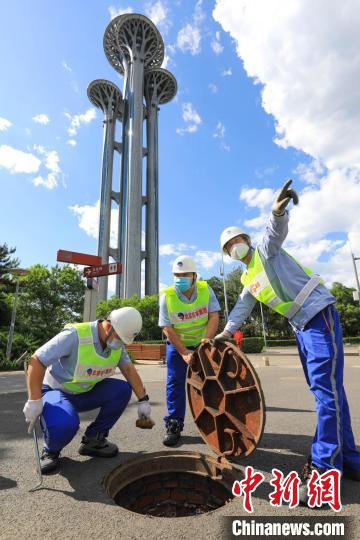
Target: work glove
<point>32,410</point>
<point>144,421</point>
<point>187,357</point>
<point>283,199</point>
<point>144,409</point>
<point>223,336</point>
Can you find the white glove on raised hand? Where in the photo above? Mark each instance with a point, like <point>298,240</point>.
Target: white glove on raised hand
<point>32,410</point>
<point>144,409</point>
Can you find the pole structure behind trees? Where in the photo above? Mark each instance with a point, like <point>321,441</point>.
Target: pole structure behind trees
<point>160,87</point>
<point>132,43</point>
<point>107,97</point>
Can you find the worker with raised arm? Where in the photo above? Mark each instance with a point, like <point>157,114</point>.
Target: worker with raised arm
<point>189,313</point>
<point>275,278</point>
<point>72,373</point>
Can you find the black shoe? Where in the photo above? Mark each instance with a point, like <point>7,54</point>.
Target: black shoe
<point>97,446</point>
<point>49,461</point>
<point>351,474</point>
<point>173,433</point>
<point>305,475</point>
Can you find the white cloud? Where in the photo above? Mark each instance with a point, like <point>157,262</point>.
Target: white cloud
<point>17,161</point>
<point>41,119</point>
<point>307,60</point>
<point>219,131</point>
<point>309,78</point>
<point>190,116</point>
<point>213,88</point>
<point>227,72</point>
<point>115,11</point>
<point>310,174</point>
<point>216,46</point>
<point>189,37</point>
<point>166,250</point>
<point>207,259</point>
<point>88,220</point>
<point>159,15</point>
<point>4,124</point>
<point>66,66</point>
<point>51,162</point>
<point>78,119</point>
<point>257,198</point>
<point>49,181</point>
<point>71,142</point>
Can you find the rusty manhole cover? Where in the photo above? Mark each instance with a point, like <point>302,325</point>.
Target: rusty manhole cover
<point>228,407</point>
<point>226,399</point>
<point>172,484</point>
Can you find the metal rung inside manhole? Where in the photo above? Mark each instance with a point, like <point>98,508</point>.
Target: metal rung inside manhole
<point>172,484</point>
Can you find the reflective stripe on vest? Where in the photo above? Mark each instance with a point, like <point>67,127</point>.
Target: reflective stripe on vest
<point>90,368</point>
<point>189,320</point>
<point>256,280</point>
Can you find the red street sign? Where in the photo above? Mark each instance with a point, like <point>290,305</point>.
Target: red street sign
<point>103,270</point>
<point>77,258</point>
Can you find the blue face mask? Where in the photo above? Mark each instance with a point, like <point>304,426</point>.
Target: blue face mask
<point>182,284</point>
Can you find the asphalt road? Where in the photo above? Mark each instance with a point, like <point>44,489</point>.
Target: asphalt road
<point>73,503</point>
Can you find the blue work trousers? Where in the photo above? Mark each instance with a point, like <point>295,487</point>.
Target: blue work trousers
<point>322,357</point>
<point>175,385</point>
<point>60,417</point>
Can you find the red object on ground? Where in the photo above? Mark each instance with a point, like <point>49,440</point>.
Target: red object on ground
<point>77,258</point>
<point>238,336</point>
<point>103,270</point>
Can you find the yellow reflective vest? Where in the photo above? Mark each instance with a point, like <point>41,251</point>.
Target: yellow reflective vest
<point>189,320</point>
<point>259,285</point>
<point>90,368</point>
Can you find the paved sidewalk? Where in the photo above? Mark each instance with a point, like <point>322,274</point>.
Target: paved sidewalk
<point>73,504</point>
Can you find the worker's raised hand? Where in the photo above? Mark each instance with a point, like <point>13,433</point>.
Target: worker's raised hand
<point>282,200</point>
<point>223,336</point>
<point>32,410</point>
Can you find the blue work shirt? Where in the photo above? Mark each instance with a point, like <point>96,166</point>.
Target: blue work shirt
<point>163,311</point>
<point>286,276</point>
<point>60,355</point>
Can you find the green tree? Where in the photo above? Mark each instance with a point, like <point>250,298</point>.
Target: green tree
<point>6,283</point>
<point>148,307</point>
<point>49,299</point>
<point>348,308</point>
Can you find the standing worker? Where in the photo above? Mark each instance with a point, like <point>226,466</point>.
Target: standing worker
<point>188,314</point>
<point>71,373</point>
<point>276,279</point>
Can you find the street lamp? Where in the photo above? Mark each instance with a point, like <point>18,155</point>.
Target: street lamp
<point>356,276</point>
<point>15,272</point>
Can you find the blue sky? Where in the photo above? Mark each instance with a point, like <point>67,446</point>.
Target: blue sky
<point>245,138</point>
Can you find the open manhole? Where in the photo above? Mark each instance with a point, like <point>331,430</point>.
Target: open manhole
<point>172,484</point>
<point>227,404</point>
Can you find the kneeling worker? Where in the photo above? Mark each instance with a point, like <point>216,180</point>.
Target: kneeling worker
<point>188,313</point>
<point>72,372</point>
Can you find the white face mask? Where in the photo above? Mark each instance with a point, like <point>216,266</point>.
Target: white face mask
<point>239,251</point>
<point>114,344</point>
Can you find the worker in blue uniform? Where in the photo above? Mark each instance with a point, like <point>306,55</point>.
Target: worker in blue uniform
<point>189,313</point>
<point>72,373</point>
<point>278,280</point>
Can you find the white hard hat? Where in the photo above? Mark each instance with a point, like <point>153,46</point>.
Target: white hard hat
<point>127,323</point>
<point>228,234</point>
<point>184,264</point>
